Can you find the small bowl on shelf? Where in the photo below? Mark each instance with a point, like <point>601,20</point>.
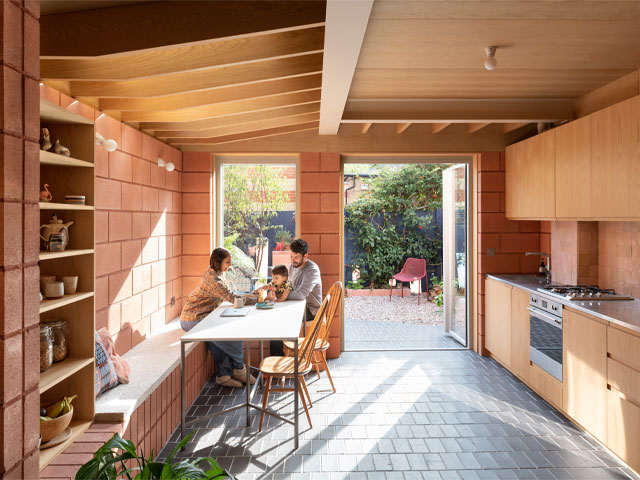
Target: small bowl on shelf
<point>74,199</point>
<point>52,428</point>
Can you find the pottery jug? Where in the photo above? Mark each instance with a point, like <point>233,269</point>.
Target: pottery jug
<point>55,226</point>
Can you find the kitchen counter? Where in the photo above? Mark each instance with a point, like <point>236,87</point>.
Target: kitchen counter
<point>625,313</point>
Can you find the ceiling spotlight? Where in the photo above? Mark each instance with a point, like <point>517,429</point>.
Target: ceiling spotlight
<point>109,144</point>
<point>161,162</point>
<point>170,167</point>
<point>490,63</point>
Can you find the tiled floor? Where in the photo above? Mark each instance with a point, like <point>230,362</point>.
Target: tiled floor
<point>406,415</point>
<point>372,335</point>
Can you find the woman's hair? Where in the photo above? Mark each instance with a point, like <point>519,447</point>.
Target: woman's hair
<point>299,246</point>
<point>217,256</point>
<point>280,270</point>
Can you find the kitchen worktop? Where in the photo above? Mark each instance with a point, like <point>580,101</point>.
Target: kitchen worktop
<point>625,313</point>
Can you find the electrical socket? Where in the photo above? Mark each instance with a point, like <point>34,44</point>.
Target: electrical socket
<point>172,302</point>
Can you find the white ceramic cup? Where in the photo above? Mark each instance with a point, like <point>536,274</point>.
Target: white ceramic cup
<point>54,290</point>
<point>238,302</point>
<point>44,279</point>
<point>70,284</point>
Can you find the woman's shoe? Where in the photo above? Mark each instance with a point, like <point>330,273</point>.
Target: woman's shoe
<point>240,374</point>
<point>227,381</point>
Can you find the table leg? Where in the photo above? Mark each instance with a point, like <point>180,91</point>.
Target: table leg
<point>296,382</point>
<point>182,380</point>
<point>248,369</point>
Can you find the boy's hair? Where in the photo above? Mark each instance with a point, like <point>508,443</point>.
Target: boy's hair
<point>217,256</point>
<point>280,270</point>
<point>299,246</point>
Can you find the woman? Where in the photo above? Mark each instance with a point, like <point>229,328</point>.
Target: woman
<point>205,298</point>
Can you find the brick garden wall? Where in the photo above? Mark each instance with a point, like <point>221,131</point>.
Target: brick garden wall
<point>19,222</point>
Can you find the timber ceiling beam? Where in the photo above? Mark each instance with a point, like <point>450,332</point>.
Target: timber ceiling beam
<point>458,111</point>
<point>510,127</point>
<point>401,127</point>
<point>438,127</point>
<point>186,58</point>
<point>162,128</point>
<point>218,95</point>
<point>201,79</point>
<point>366,127</point>
<point>474,127</point>
<point>228,108</point>
<point>198,135</point>
<point>346,24</point>
<point>135,27</point>
<point>269,132</point>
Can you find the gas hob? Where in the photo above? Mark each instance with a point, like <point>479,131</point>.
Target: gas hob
<point>583,292</point>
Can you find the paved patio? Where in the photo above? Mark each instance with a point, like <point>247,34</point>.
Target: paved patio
<point>405,416</point>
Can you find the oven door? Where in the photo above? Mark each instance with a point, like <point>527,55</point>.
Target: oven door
<point>546,341</point>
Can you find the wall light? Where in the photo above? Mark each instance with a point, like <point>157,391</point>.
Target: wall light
<point>168,165</point>
<point>490,63</point>
<point>109,144</point>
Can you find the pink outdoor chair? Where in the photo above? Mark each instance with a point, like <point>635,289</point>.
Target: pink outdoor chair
<point>413,269</point>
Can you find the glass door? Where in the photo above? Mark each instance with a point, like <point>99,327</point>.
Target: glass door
<point>454,251</point>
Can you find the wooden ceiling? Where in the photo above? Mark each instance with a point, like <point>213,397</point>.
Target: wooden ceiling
<point>213,72</point>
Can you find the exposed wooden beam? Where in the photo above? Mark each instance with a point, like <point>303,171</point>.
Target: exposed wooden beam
<point>186,58</point>
<point>458,111</point>
<point>228,108</point>
<point>202,79</point>
<point>218,95</point>
<point>474,127</point>
<point>105,31</point>
<point>438,127</point>
<point>401,127</point>
<point>366,127</point>
<point>161,128</point>
<point>182,137</point>
<point>255,134</point>
<point>510,127</point>
<point>344,32</point>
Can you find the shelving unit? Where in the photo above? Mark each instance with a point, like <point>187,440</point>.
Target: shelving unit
<point>70,176</point>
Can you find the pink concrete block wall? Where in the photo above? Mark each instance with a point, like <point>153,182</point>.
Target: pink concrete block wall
<point>508,239</point>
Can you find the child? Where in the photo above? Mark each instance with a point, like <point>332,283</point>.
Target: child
<point>280,282</point>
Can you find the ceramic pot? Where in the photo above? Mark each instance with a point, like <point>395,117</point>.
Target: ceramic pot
<point>54,290</point>
<point>70,284</point>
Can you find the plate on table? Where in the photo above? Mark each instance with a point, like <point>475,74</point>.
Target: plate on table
<point>63,437</point>
<point>265,305</point>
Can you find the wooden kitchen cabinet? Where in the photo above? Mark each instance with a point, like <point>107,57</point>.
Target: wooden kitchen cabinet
<point>497,320</point>
<point>530,178</point>
<point>520,363</point>
<point>573,169</point>
<point>623,428</point>
<point>585,371</point>
<point>615,157</point>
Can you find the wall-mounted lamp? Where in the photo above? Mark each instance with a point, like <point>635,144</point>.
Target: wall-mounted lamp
<point>490,63</point>
<point>168,165</point>
<point>109,144</point>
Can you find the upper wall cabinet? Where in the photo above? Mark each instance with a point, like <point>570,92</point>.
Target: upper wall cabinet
<point>588,169</point>
<point>530,178</point>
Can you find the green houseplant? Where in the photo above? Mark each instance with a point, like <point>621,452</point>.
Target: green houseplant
<point>108,464</point>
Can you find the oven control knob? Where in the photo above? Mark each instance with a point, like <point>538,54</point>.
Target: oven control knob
<point>553,307</point>
<point>598,294</point>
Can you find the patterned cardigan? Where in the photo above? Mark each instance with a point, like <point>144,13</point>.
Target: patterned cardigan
<point>210,292</point>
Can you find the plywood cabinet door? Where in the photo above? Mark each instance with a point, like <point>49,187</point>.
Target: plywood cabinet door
<point>623,428</point>
<point>497,320</point>
<point>585,371</point>
<point>573,169</point>
<point>520,334</point>
<point>615,160</point>
<point>530,178</point>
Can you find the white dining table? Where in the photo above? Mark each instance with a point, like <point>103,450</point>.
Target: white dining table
<point>282,322</point>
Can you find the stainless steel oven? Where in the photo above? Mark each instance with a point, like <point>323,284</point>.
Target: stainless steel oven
<point>545,329</point>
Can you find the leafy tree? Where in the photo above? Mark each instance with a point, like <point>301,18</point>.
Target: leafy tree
<point>386,225</point>
<point>253,194</point>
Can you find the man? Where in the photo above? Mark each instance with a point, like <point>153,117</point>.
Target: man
<point>306,284</point>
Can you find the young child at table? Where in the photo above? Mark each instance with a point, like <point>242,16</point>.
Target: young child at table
<point>280,282</point>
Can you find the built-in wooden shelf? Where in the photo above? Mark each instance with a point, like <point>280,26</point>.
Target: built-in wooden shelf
<point>52,158</point>
<point>54,303</point>
<point>78,427</point>
<point>64,206</point>
<point>66,253</point>
<point>61,370</point>
<point>52,113</point>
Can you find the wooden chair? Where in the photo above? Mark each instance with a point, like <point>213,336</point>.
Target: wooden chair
<point>285,367</point>
<point>335,296</point>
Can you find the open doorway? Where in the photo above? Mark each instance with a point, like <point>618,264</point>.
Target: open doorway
<point>402,216</point>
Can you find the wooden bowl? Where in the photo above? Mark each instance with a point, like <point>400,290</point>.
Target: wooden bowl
<point>54,427</point>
